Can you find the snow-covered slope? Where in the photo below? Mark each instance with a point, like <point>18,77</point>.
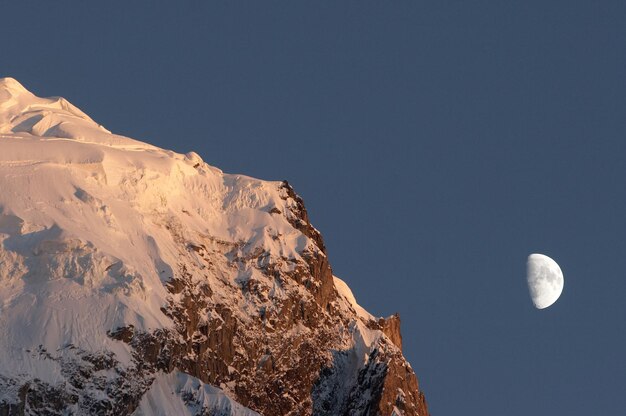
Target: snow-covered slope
<point>129,272</point>
<point>180,394</point>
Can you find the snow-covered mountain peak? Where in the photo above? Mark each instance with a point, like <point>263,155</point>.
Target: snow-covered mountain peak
<point>55,117</point>
<point>11,94</point>
<point>130,274</point>
<point>10,86</point>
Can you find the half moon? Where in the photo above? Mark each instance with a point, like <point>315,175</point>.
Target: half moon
<point>545,280</point>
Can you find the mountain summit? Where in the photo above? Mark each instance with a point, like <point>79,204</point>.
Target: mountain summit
<point>136,280</point>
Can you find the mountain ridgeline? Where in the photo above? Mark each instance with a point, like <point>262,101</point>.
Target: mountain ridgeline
<point>138,281</point>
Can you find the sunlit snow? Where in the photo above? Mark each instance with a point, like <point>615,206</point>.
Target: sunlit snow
<point>90,222</point>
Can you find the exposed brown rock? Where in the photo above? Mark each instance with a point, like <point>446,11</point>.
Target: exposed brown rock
<point>400,388</point>
<point>300,219</point>
<point>391,327</point>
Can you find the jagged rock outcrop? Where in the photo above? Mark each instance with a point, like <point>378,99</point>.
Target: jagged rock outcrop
<point>129,274</point>
<point>391,328</point>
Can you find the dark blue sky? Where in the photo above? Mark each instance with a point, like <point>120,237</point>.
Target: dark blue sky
<point>435,144</point>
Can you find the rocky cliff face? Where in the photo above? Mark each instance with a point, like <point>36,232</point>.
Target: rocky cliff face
<point>134,280</point>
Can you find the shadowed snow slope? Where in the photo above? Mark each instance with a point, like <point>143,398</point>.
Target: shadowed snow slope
<point>129,272</point>
<point>170,394</point>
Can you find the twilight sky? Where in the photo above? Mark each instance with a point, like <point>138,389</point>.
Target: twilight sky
<point>435,144</point>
